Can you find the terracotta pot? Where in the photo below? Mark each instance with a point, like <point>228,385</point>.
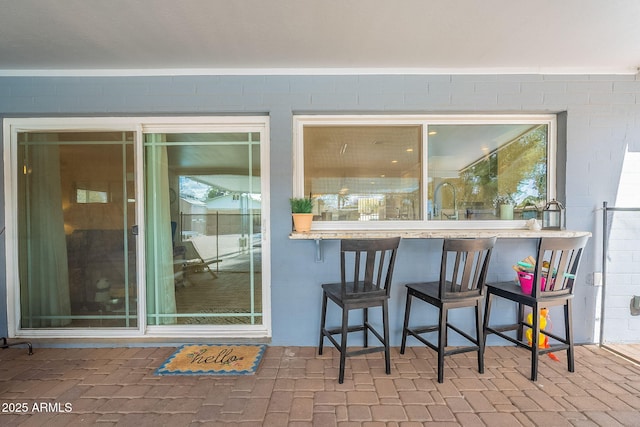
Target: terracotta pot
<point>302,222</point>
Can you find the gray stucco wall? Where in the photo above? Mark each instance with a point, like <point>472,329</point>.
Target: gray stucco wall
<point>602,118</point>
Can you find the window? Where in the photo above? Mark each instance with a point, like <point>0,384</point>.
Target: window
<point>425,171</point>
<point>87,193</point>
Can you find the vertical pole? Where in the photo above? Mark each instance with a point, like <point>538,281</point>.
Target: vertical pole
<point>605,248</point>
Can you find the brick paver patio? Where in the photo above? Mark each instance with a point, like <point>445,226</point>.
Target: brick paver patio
<point>295,387</point>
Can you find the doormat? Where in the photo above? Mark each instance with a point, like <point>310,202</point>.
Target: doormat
<point>213,359</point>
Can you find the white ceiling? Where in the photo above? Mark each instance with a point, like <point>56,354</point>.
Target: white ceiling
<point>318,36</point>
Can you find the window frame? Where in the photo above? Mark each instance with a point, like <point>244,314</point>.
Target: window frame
<point>423,120</point>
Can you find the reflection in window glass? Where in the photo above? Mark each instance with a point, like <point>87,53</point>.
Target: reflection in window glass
<point>364,173</point>
<point>206,268</point>
<point>425,168</point>
<point>77,253</point>
<point>492,171</point>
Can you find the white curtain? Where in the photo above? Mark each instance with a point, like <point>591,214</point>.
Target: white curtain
<point>161,298</point>
<point>43,248</point>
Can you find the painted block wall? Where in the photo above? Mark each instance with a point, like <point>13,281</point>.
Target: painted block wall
<point>622,278</point>
<point>602,121</point>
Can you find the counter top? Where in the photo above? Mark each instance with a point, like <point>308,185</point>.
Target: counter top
<point>435,234</point>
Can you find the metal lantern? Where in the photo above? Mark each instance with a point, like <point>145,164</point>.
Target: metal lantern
<point>553,216</point>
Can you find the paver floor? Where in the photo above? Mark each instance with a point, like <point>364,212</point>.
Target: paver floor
<point>296,387</point>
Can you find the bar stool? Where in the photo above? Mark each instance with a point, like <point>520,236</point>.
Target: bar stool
<point>557,262</point>
<point>366,269</point>
<point>463,271</point>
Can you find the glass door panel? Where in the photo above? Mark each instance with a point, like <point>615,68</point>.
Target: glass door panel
<point>77,253</point>
<point>203,241</point>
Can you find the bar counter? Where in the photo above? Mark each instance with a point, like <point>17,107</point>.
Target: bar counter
<point>435,234</point>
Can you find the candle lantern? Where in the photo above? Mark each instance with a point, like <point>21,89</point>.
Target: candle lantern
<point>553,216</point>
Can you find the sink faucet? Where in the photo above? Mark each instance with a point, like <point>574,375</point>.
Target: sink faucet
<point>454,215</point>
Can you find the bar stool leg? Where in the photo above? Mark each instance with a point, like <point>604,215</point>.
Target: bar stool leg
<point>520,319</point>
<point>385,326</point>
<point>487,314</point>
<point>343,343</point>
<point>479,337</point>
<point>535,341</point>
<point>322,321</point>
<point>365,323</point>
<point>407,309</point>
<point>442,342</point>
<point>569,335</point>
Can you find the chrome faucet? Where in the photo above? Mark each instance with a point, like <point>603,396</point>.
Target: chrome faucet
<point>454,215</point>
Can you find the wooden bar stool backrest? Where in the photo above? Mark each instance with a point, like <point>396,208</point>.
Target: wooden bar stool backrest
<point>463,269</point>
<point>557,264</point>
<point>367,266</point>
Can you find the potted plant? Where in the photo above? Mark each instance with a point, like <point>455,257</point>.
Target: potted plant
<point>301,211</point>
<point>504,204</point>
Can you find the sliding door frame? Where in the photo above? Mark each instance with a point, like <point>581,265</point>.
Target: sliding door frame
<point>139,125</point>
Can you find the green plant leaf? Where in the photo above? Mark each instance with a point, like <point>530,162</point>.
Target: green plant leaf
<point>301,205</point>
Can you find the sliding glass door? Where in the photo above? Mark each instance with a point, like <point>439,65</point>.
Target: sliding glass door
<point>134,227</point>
<point>203,228</point>
<point>76,248</point>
